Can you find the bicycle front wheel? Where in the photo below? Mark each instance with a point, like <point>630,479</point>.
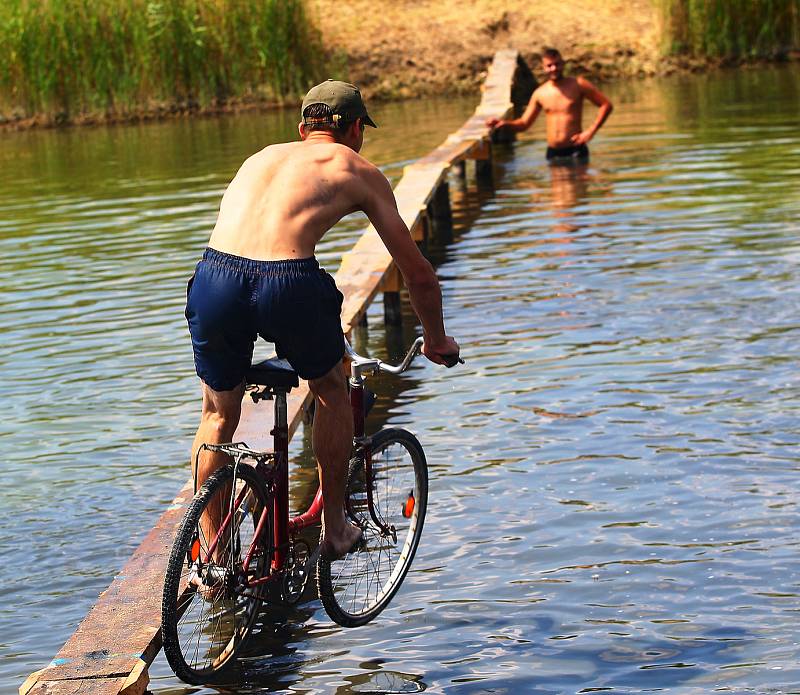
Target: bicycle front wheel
<point>207,609</point>
<point>355,589</point>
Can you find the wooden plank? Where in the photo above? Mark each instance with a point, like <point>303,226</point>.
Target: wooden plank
<point>414,191</point>
<point>126,676</point>
<point>100,666</point>
<point>85,686</point>
<point>455,148</point>
<point>120,636</point>
<point>257,418</point>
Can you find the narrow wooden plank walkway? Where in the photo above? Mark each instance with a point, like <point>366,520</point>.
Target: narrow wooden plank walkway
<point>115,643</point>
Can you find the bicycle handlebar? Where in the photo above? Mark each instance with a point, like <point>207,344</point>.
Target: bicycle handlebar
<point>367,363</point>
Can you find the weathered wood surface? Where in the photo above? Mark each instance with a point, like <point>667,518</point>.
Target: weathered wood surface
<point>120,636</point>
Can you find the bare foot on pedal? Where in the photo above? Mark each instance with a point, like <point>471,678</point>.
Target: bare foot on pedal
<point>332,549</point>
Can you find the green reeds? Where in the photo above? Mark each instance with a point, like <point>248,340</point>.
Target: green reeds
<point>64,58</point>
<point>731,28</point>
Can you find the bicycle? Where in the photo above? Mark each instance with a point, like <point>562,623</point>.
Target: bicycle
<point>219,573</point>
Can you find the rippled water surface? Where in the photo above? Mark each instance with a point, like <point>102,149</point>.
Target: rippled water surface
<point>614,472</point>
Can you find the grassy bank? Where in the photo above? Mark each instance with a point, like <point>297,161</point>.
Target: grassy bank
<point>75,60</point>
<point>731,29</point>
<point>67,59</point>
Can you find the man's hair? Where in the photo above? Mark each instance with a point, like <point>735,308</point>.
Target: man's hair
<point>321,117</point>
<point>551,53</point>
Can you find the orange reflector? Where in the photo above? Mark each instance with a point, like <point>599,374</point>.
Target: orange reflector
<point>195,551</point>
<point>408,507</point>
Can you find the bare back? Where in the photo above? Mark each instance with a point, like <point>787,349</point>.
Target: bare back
<point>286,197</point>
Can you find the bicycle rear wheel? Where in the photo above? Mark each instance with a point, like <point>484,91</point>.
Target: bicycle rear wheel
<point>206,611</point>
<point>355,589</point>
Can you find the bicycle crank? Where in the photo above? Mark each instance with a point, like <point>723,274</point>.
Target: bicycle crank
<point>299,565</point>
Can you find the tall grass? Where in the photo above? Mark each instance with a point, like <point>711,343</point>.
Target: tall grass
<point>70,57</point>
<point>731,28</point>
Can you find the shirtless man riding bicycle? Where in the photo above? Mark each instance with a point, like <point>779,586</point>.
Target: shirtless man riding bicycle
<point>259,276</point>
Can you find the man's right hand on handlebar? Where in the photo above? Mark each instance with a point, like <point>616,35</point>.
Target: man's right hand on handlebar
<point>444,352</point>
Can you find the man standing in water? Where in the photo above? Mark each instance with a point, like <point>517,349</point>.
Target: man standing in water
<point>259,276</point>
<point>562,100</point>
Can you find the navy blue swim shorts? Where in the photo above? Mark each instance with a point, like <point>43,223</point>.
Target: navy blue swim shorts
<point>575,153</point>
<point>231,300</point>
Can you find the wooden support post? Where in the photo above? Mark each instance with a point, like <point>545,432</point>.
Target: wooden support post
<point>442,211</point>
<point>483,166</point>
<point>392,309</point>
<point>360,330</point>
<point>503,136</point>
<point>441,214</point>
<point>425,228</point>
<point>461,168</point>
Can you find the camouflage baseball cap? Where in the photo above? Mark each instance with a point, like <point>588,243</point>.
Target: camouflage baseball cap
<point>344,100</point>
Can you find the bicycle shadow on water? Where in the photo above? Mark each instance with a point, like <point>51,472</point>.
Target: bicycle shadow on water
<point>274,657</point>
<point>279,656</point>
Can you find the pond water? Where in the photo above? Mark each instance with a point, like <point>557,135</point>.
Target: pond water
<point>614,472</point>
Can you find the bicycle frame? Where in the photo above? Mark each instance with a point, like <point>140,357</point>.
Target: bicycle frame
<point>274,468</point>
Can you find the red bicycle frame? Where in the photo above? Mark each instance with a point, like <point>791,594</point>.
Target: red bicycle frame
<point>274,468</point>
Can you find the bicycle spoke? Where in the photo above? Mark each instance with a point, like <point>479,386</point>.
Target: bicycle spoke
<point>356,589</point>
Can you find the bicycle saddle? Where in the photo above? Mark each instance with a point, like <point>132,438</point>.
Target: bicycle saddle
<point>272,372</point>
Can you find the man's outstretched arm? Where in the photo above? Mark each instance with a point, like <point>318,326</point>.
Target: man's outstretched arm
<point>418,275</point>
<point>525,121</point>
<point>600,100</point>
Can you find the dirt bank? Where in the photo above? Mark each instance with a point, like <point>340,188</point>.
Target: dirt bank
<point>396,49</point>
<point>403,48</point>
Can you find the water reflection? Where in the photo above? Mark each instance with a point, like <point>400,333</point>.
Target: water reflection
<point>613,472</point>
<point>569,186</point>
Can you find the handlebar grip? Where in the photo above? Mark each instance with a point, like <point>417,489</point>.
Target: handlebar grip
<point>451,360</point>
